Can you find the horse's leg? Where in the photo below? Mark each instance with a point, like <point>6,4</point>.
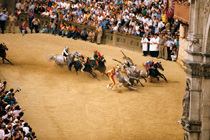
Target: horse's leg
<point>93,74</point>
<point>127,80</point>
<point>76,69</point>
<point>8,61</point>
<point>3,60</point>
<point>104,73</point>
<point>158,78</point>
<point>144,79</point>
<point>163,76</point>
<point>70,65</point>
<point>130,87</point>
<point>141,83</point>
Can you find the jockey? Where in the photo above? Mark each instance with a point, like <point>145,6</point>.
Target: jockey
<point>127,64</point>
<point>111,74</point>
<point>65,53</point>
<point>97,56</point>
<point>82,60</point>
<point>149,65</point>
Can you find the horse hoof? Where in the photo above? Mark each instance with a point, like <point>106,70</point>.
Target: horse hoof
<point>108,86</point>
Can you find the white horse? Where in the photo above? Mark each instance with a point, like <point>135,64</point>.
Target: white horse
<point>124,80</point>
<point>132,71</point>
<point>59,59</point>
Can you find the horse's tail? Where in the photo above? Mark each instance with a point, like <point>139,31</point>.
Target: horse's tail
<point>52,57</point>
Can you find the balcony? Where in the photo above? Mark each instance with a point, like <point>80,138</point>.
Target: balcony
<point>182,12</point>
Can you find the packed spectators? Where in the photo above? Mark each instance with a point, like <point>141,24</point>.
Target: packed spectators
<point>136,17</point>
<point>131,17</point>
<point>12,124</point>
<point>185,2</point>
<point>146,18</point>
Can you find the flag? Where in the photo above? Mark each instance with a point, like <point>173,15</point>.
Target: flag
<point>170,4</point>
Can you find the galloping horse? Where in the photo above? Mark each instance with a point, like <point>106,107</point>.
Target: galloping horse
<point>100,66</point>
<point>78,66</point>
<point>153,72</point>
<point>124,80</point>
<point>3,49</point>
<point>139,74</point>
<point>59,59</point>
<point>71,57</point>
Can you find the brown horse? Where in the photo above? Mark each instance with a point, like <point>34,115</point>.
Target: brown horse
<point>3,49</point>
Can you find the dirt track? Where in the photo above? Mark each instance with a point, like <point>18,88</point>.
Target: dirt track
<point>61,105</point>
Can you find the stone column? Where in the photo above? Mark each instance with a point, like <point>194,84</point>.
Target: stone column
<point>196,101</point>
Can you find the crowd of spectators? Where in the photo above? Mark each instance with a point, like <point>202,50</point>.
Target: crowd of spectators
<point>131,17</point>
<point>185,2</point>
<point>164,46</point>
<point>146,18</point>
<point>136,17</point>
<point>12,124</point>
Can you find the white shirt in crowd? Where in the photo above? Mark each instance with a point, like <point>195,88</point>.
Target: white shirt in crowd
<point>1,85</point>
<point>126,18</point>
<point>139,18</point>
<point>160,24</point>
<point>156,30</point>
<point>154,44</point>
<point>149,22</point>
<point>174,57</point>
<point>53,16</point>
<point>46,13</point>
<point>155,22</point>
<point>26,130</point>
<point>2,134</point>
<point>18,5</point>
<point>131,14</point>
<point>147,2</point>
<point>100,18</point>
<point>125,29</point>
<point>144,20</point>
<point>115,28</point>
<point>22,6</point>
<point>169,43</point>
<point>144,42</point>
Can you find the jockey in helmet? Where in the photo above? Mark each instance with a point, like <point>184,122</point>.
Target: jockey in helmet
<point>82,60</point>
<point>149,65</point>
<point>127,64</point>
<point>65,52</point>
<point>97,56</point>
<point>111,74</point>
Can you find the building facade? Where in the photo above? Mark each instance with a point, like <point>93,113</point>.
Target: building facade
<point>196,100</point>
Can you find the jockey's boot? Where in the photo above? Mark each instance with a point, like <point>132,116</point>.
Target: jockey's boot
<point>64,58</point>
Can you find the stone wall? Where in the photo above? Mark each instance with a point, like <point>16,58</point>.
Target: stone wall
<point>196,108</point>
<point>183,44</point>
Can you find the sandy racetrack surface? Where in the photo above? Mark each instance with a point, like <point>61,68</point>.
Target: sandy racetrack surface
<point>60,105</point>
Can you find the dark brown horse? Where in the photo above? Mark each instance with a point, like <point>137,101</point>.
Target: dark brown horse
<point>3,49</point>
